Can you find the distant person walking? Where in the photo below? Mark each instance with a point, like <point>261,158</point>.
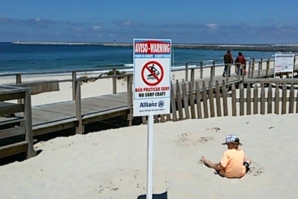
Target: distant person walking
<point>228,60</point>
<point>240,60</point>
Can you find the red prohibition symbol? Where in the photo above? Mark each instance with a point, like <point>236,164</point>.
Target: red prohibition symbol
<point>156,73</point>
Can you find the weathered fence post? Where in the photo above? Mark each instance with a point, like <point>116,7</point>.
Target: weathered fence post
<point>19,81</point>
<point>74,84</point>
<point>114,81</point>
<point>201,70</point>
<point>28,126</point>
<point>78,108</point>
<point>173,103</point>
<point>186,72</point>
<point>198,100</point>
<point>267,67</point>
<point>192,77</point>
<point>129,99</point>
<point>234,107</point>
<point>252,68</point>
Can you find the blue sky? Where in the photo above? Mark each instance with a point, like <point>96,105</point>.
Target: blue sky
<point>189,21</point>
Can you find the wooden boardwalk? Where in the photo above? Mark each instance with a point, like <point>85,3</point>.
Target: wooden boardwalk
<point>58,116</point>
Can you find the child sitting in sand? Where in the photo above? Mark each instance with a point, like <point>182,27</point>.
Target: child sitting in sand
<point>233,163</point>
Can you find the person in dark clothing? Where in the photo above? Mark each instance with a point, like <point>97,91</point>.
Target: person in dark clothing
<point>240,60</point>
<point>228,60</point>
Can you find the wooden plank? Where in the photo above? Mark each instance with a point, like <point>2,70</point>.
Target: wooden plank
<point>114,81</point>
<point>185,101</point>
<point>191,100</point>
<point>105,115</point>
<point>10,132</point>
<point>56,110</point>
<point>284,100</point>
<point>192,77</point>
<point>129,99</point>
<point>186,71</point>
<point>13,149</point>
<point>211,99</point>
<point>201,70</point>
<point>12,95</point>
<point>156,119</point>
<point>144,120</point>
<point>179,100</point>
<point>168,117</point>
<point>252,68</point>
<point>217,96</point>
<point>255,99</point>
<point>10,108</point>
<point>269,103</point>
<point>198,100</point>
<point>225,98</point>
<point>234,105</point>
<point>249,70</point>
<point>291,100</point>
<point>270,81</point>
<point>162,118</point>
<point>262,99</point>
<point>267,67</point>
<point>119,97</point>
<point>241,99</point>
<point>204,97</point>
<point>259,68</point>
<point>173,103</point>
<point>297,102</point>
<point>46,116</point>
<point>10,121</point>
<point>248,100</point>
<point>78,110</point>
<point>276,100</point>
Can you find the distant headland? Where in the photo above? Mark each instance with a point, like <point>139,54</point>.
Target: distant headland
<point>235,47</point>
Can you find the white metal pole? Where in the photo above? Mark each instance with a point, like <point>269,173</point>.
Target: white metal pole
<point>149,156</point>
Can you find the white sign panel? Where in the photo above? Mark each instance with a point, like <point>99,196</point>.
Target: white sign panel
<point>152,68</point>
<point>284,62</point>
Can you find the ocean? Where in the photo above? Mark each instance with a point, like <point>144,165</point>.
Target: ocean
<point>46,58</point>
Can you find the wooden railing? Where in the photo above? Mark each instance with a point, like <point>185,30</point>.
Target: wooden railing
<point>13,126</point>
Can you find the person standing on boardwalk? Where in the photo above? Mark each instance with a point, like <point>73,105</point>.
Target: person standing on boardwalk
<point>228,60</point>
<point>240,61</point>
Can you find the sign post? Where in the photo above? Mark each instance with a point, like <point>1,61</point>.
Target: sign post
<point>284,62</point>
<point>152,92</point>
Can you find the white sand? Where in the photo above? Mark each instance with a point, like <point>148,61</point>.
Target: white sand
<point>112,164</point>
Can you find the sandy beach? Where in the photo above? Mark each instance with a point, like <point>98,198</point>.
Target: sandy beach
<point>111,164</point>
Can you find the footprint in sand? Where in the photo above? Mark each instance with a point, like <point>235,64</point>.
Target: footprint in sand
<point>188,139</point>
<point>255,171</point>
<point>214,129</point>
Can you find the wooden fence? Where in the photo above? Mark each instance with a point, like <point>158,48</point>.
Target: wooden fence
<point>190,101</point>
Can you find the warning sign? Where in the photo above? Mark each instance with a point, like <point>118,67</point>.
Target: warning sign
<point>152,68</point>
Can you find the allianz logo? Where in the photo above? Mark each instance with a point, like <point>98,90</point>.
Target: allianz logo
<point>159,104</point>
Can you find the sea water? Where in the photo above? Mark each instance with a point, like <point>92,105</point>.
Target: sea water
<point>46,58</point>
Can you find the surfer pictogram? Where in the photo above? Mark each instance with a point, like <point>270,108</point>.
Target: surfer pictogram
<point>154,72</point>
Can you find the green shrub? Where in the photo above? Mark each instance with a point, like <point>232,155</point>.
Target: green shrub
<point>111,73</point>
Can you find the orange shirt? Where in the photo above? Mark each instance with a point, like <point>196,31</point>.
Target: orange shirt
<point>232,160</point>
